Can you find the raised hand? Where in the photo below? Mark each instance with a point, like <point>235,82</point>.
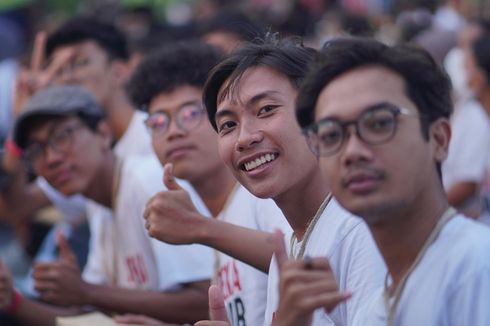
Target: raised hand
<point>60,282</point>
<point>304,286</point>
<point>170,215</point>
<point>217,309</point>
<point>35,77</point>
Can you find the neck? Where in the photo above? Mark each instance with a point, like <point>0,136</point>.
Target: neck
<point>215,191</point>
<point>119,114</point>
<point>300,203</point>
<point>403,233</point>
<point>101,187</point>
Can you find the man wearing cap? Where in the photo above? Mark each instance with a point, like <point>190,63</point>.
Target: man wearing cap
<point>66,140</point>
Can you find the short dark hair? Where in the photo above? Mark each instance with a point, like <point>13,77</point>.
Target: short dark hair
<point>234,22</point>
<point>427,85</point>
<point>481,52</point>
<point>287,56</point>
<point>85,28</point>
<point>185,63</point>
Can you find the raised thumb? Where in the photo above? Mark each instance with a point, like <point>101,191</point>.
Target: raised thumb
<point>65,251</point>
<point>168,177</point>
<point>217,308</point>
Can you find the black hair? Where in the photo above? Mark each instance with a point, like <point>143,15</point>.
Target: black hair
<point>85,28</point>
<point>287,56</point>
<point>184,63</point>
<point>481,52</point>
<point>234,22</point>
<point>427,85</point>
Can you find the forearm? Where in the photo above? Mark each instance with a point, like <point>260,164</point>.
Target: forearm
<point>183,306</point>
<point>461,192</point>
<point>39,314</point>
<point>251,246</point>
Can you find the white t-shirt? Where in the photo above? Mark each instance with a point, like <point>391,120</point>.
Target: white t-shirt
<point>450,286</point>
<point>244,287</point>
<point>136,140</point>
<point>121,251</point>
<point>468,150</point>
<point>353,256</point>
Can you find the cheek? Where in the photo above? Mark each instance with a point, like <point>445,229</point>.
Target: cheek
<point>158,147</point>
<point>226,147</point>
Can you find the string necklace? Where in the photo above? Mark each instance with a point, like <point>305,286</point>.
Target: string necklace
<point>309,230</point>
<point>391,308</point>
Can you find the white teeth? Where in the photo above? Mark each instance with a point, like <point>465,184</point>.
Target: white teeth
<point>259,161</point>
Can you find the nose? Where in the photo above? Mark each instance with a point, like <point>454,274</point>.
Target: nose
<point>354,149</point>
<point>248,137</point>
<point>51,156</point>
<point>174,130</point>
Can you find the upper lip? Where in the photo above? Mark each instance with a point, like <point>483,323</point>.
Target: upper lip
<point>176,148</point>
<point>241,162</point>
<point>359,176</point>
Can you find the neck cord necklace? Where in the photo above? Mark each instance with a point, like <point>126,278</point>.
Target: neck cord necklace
<point>391,307</point>
<point>309,230</point>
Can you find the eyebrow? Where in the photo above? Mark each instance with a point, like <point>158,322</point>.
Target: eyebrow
<point>252,101</point>
<point>191,102</point>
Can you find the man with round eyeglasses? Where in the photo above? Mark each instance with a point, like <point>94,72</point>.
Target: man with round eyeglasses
<point>438,261</point>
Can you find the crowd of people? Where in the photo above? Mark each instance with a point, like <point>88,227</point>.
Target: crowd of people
<point>249,174</point>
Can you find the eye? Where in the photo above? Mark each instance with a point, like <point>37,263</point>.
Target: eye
<point>380,123</point>
<point>226,126</point>
<point>266,109</point>
<point>329,137</point>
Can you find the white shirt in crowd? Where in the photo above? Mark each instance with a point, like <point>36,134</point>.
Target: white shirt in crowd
<point>244,287</point>
<point>450,286</point>
<point>121,251</point>
<point>353,256</point>
<point>468,151</point>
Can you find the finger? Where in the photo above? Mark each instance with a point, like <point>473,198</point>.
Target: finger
<point>37,59</point>
<point>55,67</point>
<point>279,248</point>
<point>212,323</point>
<point>217,304</point>
<point>137,319</point>
<point>65,251</point>
<point>169,179</point>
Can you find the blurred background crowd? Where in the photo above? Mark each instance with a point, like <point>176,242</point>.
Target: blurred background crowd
<point>445,28</point>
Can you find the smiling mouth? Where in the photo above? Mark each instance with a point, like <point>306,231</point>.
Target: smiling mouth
<point>259,161</point>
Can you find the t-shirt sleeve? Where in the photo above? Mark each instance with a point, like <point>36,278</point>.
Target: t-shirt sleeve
<point>181,264</point>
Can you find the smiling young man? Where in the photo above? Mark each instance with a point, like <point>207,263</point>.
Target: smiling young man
<point>67,141</point>
<point>182,136</point>
<point>250,99</point>
<point>378,118</point>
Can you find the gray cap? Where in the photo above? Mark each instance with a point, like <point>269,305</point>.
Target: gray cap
<point>56,101</point>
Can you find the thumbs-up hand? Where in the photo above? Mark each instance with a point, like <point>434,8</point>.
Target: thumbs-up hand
<point>6,287</point>
<point>217,309</point>
<point>170,215</point>
<point>60,282</point>
<point>304,286</point>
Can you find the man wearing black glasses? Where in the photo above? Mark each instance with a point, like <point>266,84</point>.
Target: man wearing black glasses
<point>377,116</point>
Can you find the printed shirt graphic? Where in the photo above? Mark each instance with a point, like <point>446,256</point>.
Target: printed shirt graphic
<point>244,287</point>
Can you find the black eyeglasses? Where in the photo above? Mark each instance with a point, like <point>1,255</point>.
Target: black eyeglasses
<point>187,117</point>
<point>375,126</point>
<point>59,141</point>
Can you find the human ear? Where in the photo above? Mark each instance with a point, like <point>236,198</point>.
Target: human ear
<point>105,131</point>
<point>120,72</point>
<point>440,135</point>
